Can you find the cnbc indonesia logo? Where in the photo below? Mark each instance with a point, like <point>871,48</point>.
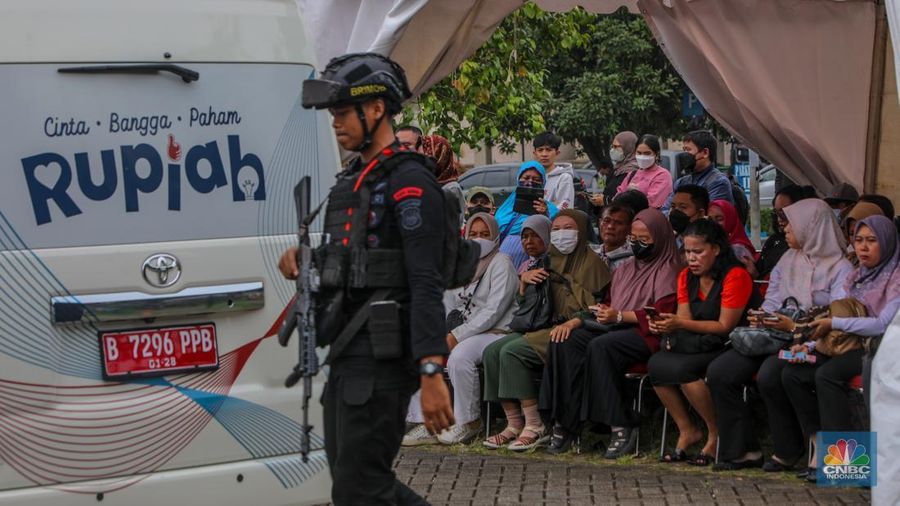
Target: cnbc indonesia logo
<point>847,460</point>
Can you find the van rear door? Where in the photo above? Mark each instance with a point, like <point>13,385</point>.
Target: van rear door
<point>142,212</point>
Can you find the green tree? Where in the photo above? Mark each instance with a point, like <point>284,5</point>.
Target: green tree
<point>622,81</point>
<point>495,97</point>
<point>586,76</point>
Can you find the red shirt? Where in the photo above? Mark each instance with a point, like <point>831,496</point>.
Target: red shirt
<point>737,287</point>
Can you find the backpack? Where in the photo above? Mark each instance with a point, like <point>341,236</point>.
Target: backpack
<point>461,255</point>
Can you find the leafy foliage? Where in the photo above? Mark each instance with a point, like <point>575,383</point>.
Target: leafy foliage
<point>586,76</point>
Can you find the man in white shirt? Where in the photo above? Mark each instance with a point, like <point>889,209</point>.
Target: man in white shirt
<point>560,185</point>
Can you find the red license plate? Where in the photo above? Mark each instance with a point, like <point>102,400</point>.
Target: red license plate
<point>159,351</point>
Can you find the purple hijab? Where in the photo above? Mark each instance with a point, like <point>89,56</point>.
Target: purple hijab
<point>879,285</point>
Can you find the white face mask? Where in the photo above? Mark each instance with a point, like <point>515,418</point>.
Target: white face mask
<point>645,161</point>
<point>487,246</point>
<point>616,155</point>
<point>564,240</point>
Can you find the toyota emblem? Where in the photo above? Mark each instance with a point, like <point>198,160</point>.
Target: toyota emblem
<point>161,270</point>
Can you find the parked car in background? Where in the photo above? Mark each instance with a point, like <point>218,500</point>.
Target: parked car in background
<point>666,160</point>
<point>767,186</point>
<point>499,177</point>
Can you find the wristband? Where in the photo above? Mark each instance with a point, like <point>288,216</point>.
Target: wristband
<point>618,317</point>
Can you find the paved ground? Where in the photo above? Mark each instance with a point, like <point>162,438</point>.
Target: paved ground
<point>450,477</point>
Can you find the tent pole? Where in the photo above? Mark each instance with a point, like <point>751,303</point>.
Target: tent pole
<point>876,96</point>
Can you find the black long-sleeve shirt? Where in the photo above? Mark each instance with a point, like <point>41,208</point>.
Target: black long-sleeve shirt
<point>406,213</point>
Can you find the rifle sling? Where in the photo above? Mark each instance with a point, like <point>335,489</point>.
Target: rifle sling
<point>356,323</point>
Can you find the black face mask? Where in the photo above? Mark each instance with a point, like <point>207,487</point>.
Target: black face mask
<point>685,162</point>
<point>679,221</point>
<point>641,251</point>
<point>472,211</point>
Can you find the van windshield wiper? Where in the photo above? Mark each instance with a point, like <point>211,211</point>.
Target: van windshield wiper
<point>187,75</point>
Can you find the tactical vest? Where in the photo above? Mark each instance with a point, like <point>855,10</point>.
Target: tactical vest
<point>363,248</point>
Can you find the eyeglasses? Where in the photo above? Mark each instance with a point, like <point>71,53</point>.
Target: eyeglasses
<point>643,241</point>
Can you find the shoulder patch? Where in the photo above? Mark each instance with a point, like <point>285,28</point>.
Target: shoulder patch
<point>407,192</point>
<point>410,215</point>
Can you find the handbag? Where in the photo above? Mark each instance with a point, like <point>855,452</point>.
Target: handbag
<point>457,317</point>
<point>838,342</point>
<point>759,341</point>
<point>682,341</point>
<point>535,311</point>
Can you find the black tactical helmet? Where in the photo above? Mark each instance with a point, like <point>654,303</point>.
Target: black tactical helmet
<point>357,77</point>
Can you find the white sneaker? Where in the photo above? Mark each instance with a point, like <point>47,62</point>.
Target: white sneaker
<point>418,436</point>
<point>460,433</point>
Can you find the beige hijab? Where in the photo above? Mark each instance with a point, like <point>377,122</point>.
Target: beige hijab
<point>821,255</point>
<point>486,256</point>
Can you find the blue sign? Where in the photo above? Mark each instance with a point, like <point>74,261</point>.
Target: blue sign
<point>690,105</point>
<point>846,459</point>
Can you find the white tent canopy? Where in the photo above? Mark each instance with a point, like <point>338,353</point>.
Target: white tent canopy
<point>792,78</point>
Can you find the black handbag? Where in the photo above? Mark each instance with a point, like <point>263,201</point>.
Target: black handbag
<point>535,312</point>
<point>457,317</point>
<point>682,341</point>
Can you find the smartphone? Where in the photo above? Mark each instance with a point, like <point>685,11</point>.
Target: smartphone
<point>525,199</point>
<point>787,355</point>
<point>651,311</point>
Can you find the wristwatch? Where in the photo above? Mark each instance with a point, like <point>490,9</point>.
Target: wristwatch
<point>430,368</point>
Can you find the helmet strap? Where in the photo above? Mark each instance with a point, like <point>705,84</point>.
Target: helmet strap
<point>367,133</point>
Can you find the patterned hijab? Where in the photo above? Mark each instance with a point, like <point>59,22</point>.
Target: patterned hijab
<point>821,255</point>
<point>437,147</point>
<point>638,283</point>
<point>879,285</point>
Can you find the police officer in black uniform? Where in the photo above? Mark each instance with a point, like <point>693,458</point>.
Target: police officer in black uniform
<point>383,259</point>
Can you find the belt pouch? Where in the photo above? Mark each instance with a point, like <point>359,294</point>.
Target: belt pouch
<point>384,330</point>
<point>332,261</point>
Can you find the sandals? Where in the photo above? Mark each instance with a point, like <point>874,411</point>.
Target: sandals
<point>560,441</point>
<point>530,438</point>
<point>621,443</point>
<point>679,456</point>
<point>505,437</point>
<point>702,460</point>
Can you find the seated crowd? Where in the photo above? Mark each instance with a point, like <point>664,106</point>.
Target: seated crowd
<point>556,315</point>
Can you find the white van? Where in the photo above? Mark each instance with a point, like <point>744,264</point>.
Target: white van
<point>148,154</point>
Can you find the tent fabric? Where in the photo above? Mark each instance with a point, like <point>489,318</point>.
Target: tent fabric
<point>893,15</point>
<point>790,78</point>
<point>429,38</point>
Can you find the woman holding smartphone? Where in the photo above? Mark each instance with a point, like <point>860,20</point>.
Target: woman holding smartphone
<point>713,294</point>
<point>812,272</point>
<point>531,175</point>
<point>583,380</point>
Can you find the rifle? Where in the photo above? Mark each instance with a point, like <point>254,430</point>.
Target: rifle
<point>302,315</point>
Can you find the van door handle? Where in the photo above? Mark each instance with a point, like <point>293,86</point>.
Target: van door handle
<point>187,75</point>
<point>121,306</point>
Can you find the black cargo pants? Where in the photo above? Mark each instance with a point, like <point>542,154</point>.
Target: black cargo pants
<point>365,405</point>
